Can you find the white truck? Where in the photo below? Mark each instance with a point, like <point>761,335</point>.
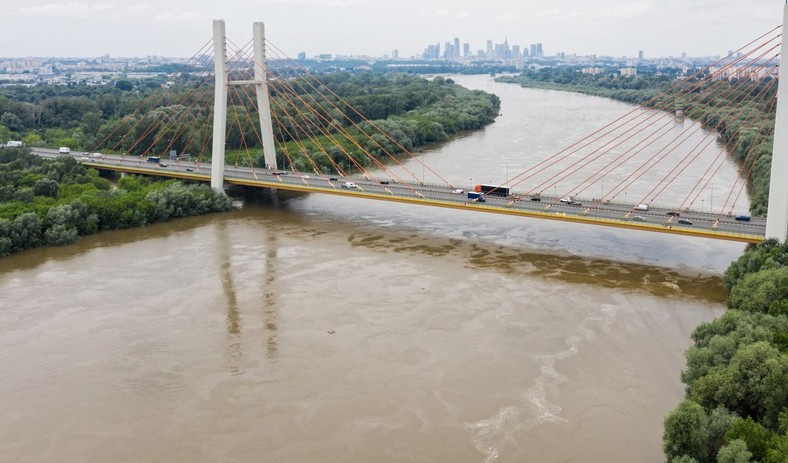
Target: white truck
<point>641,207</point>
<point>64,150</point>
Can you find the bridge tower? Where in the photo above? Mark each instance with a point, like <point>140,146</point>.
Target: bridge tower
<point>777,219</point>
<point>260,84</point>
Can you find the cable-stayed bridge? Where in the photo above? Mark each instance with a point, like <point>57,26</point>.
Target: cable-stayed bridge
<point>330,147</point>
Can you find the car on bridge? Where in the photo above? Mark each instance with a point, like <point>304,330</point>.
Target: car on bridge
<point>685,222</point>
<point>349,185</point>
<point>743,218</point>
<point>638,218</point>
<point>673,214</point>
<point>458,191</point>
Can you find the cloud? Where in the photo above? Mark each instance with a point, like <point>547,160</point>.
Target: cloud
<point>630,10</point>
<point>67,10</point>
<point>444,13</point>
<point>555,12</point>
<point>508,16</point>
<point>183,17</point>
<point>334,3</point>
<point>132,10</point>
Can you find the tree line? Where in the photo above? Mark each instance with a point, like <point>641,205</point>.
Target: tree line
<point>751,131</point>
<point>736,406</point>
<point>310,118</point>
<point>54,202</point>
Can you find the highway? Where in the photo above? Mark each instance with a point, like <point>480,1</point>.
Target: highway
<point>382,188</point>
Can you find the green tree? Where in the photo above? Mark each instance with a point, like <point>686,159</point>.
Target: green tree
<point>686,432</point>
<point>735,452</point>
<point>46,187</point>
<point>756,292</point>
<point>753,434</point>
<point>124,85</point>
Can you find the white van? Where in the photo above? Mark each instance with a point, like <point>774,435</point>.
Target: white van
<point>64,150</point>
<point>641,207</point>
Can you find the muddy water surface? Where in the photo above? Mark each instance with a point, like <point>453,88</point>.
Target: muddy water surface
<point>314,328</point>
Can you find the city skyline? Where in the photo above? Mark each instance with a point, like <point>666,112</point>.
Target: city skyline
<point>373,28</point>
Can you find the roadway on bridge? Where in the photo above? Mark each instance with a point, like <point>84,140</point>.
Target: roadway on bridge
<point>614,214</point>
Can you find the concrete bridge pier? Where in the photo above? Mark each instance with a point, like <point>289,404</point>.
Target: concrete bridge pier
<point>260,84</point>
<point>777,219</point>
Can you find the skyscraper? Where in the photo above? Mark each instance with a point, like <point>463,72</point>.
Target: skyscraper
<point>456,53</point>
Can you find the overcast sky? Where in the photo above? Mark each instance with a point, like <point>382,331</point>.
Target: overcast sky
<point>376,27</point>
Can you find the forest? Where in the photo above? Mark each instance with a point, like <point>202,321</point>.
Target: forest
<point>313,120</point>
<point>54,202</point>
<point>46,202</point>
<point>719,109</point>
<point>736,406</point>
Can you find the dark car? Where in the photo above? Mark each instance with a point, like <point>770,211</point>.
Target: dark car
<point>536,198</point>
<point>334,179</point>
<point>673,214</point>
<point>189,169</point>
<point>384,182</point>
<point>685,222</point>
<point>575,203</point>
<point>743,218</point>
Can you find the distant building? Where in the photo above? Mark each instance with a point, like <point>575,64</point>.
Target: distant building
<point>593,71</point>
<point>394,54</point>
<point>301,56</point>
<point>640,55</point>
<point>628,72</point>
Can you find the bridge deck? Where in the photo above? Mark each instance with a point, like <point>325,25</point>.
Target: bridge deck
<point>703,225</point>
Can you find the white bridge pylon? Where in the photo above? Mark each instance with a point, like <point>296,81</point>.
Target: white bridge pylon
<point>222,82</point>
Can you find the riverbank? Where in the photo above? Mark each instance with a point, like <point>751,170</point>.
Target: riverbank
<point>744,117</point>
<point>54,202</point>
<point>736,403</point>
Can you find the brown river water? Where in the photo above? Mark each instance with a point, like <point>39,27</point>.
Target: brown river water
<point>308,328</point>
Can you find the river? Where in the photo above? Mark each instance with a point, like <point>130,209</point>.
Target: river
<point>317,328</point>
